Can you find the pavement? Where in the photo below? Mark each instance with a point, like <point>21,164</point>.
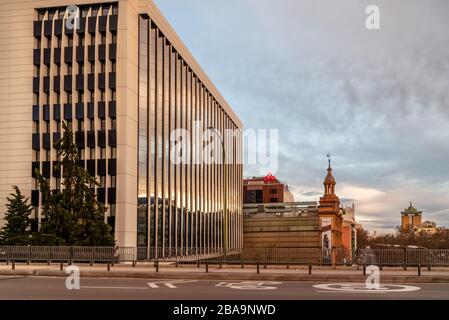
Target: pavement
<point>54,288</point>
<point>271,273</point>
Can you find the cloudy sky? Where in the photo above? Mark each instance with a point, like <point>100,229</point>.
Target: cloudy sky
<point>377,100</point>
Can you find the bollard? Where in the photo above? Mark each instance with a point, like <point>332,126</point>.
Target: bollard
<point>288,266</point>
<point>364,270</point>
<point>221,265</point>
<point>419,270</point>
<point>198,264</point>
<point>258,268</point>
<point>157,265</point>
<point>109,266</point>
<point>265,265</point>
<point>61,266</point>
<point>13,265</point>
<point>207,267</point>
<point>380,266</point>
<point>243,265</point>
<point>134,263</point>
<point>429,267</point>
<point>310,269</point>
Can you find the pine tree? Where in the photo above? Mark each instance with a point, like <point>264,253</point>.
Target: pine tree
<point>73,214</point>
<point>17,229</point>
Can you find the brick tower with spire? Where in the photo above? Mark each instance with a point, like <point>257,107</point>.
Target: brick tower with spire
<point>331,219</point>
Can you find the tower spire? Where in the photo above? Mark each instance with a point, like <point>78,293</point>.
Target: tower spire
<point>329,158</point>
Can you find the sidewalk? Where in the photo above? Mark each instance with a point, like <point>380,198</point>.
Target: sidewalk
<point>249,272</point>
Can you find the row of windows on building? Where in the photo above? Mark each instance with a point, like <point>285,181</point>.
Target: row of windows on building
<point>66,63</point>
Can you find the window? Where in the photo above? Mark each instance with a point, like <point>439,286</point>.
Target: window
<point>102,181</point>
<point>94,12</point>
<point>115,9</point>
<point>273,191</point>
<point>61,13</point>
<point>84,12</point>
<point>105,11</point>
<point>80,68</point>
<point>51,14</point>
<point>41,15</point>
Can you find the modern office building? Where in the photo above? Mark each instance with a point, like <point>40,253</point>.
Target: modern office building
<point>266,189</point>
<point>122,80</point>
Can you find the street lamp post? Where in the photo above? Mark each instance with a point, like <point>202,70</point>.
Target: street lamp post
<point>225,204</point>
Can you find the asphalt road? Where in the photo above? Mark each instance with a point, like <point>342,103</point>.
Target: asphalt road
<point>26,288</point>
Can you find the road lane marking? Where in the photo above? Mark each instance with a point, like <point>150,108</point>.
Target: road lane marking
<point>168,283</point>
<point>361,288</point>
<point>249,285</point>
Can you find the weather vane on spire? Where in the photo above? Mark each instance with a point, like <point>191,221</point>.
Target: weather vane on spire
<point>329,156</point>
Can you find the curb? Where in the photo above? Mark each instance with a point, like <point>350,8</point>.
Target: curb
<point>228,276</point>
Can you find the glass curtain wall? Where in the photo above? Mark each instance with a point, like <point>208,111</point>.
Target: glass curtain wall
<point>181,206</point>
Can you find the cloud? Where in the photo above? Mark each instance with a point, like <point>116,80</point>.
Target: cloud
<point>377,100</point>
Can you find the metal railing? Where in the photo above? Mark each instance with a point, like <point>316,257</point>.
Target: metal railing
<point>263,256</point>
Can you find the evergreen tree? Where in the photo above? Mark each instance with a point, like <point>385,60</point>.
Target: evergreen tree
<point>73,214</point>
<point>17,229</point>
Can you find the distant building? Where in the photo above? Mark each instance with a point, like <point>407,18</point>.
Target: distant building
<point>427,227</point>
<point>349,232</point>
<point>410,218</point>
<point>283,227</point>
<point>266,189</point>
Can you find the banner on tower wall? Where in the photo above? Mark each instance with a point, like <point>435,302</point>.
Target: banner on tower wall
<point>326,237</point>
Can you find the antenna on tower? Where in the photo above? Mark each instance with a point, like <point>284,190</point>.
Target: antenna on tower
<point>329,156</point>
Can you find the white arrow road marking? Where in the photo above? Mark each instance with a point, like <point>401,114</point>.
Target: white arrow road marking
<point>169,283</point>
